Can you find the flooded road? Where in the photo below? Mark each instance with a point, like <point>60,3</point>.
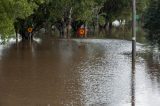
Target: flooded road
<point>76,72</point>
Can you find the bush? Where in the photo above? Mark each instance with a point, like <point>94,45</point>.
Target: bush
<point>152,19</point>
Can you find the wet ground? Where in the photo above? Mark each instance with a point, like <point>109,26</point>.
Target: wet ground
<point>78,73</point>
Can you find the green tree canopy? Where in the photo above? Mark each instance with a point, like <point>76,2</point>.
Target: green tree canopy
<point>12,9</point>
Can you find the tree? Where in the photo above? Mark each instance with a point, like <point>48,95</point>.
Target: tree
<point>64,12</point>
<point>152,20</point>
<point>10,10</point>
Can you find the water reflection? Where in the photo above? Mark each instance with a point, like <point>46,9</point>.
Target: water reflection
<point>133,99</point>
<point>76,72</point>
<point>104,73</point>
<point>1,48</point>
<point>38,74</point>
<point>147,92</point>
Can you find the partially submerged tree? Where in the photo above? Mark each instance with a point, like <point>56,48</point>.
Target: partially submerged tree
<point>10,10</point>
<point>116,10</point>
<point>62,14</point>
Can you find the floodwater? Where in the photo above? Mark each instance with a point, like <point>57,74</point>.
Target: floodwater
<point>84,72</point>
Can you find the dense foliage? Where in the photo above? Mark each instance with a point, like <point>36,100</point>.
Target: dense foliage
<point>152,21</point>
<point>20,14</point>
<point>10,10</point>
<point>152,17</point>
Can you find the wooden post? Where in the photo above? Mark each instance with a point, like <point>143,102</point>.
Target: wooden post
<point>133,30</point>
<point>133,99</point>
<point>133,52</point>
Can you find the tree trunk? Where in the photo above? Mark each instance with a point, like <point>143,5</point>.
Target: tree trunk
<point>105,27</point>
<point>69,30</point>
<point>97,25</point>
<point>110,28</point>
<point>62,28</point>
<point>69,23</point>
<point>85,27</point>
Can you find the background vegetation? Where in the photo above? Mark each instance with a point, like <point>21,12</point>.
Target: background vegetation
<point>66,16</point>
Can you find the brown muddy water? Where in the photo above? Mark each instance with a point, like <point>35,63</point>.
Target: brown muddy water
<point>78,72</point>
